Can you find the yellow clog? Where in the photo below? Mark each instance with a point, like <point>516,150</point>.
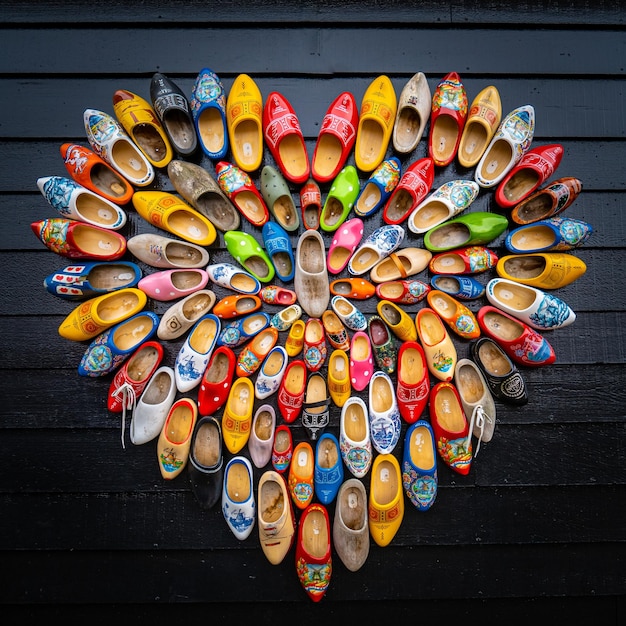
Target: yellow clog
<point>440,352</point>
<point>339,386</point>
<point>143,125</point>
<point>95,315</point>
<point>545,270</point>
<point>376,120</point>
<point>295,339</point>
<point>244,118</point>
<point>386,500</point>
<point>167,211</point>
<point>398,320</point>
<point>175,439</point>
<point>237,418</point>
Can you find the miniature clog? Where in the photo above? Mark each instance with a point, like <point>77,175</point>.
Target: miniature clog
<point>378,187</point>
<point>93,172</point>
<point>345,241</point>
<point>143,125</point>
<point>351,537</point>
<point>300,478</point>
<point>245,249</point>
<point>548,202</point>
<point>237,332</point>
<point>237,417</point>
<point>232,277</point>
<point>173,110</point>
<point>510,142</point>
<point>483,119</point>
<point>354,437</point>
<point>361,366</point>
<point>383,344</point>
<point>271,372</point>
<point>208,109</point>
<point>110,141</point>
<point>413,114</point>
<point>81,281</point>
<point>409,291</point>
<point>376,119</point>
<point>311,277</point>
<point>447,119</point>
<point>244,113</point>
<point>419,465</point>
<point>413,383</point>
<point>262,435</point>
<point>386,499</point>
<point>470,260</point>
<point>241,191</point>
<point>328,471</point>
<point>411,190</point>
<point>166,252</point>
<point>167,211</point>
<point>446,202</point>
<point>340,199</point>
<point>238,503</point>
<point>554,234</point>
<point>375,247</point>
<point>521,342</point>
<point>349,314</point>
<point>459,287</point>
<point>384,416</point>
<point>315,412</point>
<point>543,270</point>
<point>310,204</point>
<point>440,352</point>
<point>278,198</point>
<point>336,138</point>
<point>398,320</point>
<point>174,441</point>
<point>291,391</point>
<point>206,462</point>
<point>355,288</point>
<point>278,247</point>
<point>169,285</point>
<point>254,353</point>
<point>78,240</point>
<point>454,313</point>
<point>283,136</point>
<point>339,386</point>
<point>401,264</point>
<point>216,380</point>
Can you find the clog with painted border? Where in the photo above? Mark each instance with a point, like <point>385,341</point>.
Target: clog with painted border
<point>446,202</point>
<point>398,320</point>
<point>315,411</point>
<point>470,260</point>
<point>255,352</point>
<point>282,450</point>
<point>81,281</point>
<point>384,416</point>
<point>172,284</point>
<point>340,199</point>
<point>237,417</point>
<point>315,349</point>
<point>533,169</point>
<point>345,241</point>
<point>386,499</point>
<point>419,465</point>
<point>238,503</point>
<point>459,287</point>
<point>284,319</point>
<point>413,114</point>
<point>93,172</point>
<point>242,192</point>
<point>401,264</point>
<point>378,187</point>
<point>144,127</point>
<point>232,277</point>
<point>511,141</point>
<point>283,136</point>
<point>336,332</point>
<point>410,191</point>
<point>383,344</point>
<point>193,356</point>
<point>206,461</point>
<point>355,288</point>
<point>361,366</point>
<point>554,234</point>
<point>409,291</point>
<point>278,247</point>
<point>111,348</point>
<point>548,202</point>
<point>301,475</point>
<point>208,109</point>
<point>294,343</point>
<point>375,247</point>
<point>216,380</point>
<point>110,141</point>
<point>311,278</point>
<point>483,119</point>
<point>440,352</point>
<point>336,138</point>
<point>291,391</point>
<point>339,386</point>
<point>472,229</point>
<point>523,344</point>
<point>167,253</point>
<point>165,210</point>
<point>172,108</point>
<point>452,435</point>
<point>328,472</point>
<point>413,383</point>
<point>349,314</point>
<point>244,113</point>
<point>95,315</point>
<point>354,437</point>
<point>454,313</point>
<point>544,270</point>
<point>237,332</point>
<point>271,373</point>
<point>278,199</point>
<point>174,441</point>
<point>78,240</point>
<point>236,305</point>
<point>274,294</point>
<point>245,249</point>
<point>447,119</point>
<point>540,310</point>
<point>311,204</point>
<point>376,119</point>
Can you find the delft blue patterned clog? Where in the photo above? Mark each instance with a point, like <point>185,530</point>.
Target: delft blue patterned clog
<point>460,287</point>
<point>375,247</point>
<point>208,98</point>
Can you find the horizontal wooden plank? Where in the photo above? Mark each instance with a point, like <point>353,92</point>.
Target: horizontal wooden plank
<point>314,50</point>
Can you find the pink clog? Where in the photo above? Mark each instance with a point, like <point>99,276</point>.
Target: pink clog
<point>361,365</point>
<point>347,237</point>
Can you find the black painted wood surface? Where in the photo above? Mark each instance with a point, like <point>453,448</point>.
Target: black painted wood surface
<point>537,528</point>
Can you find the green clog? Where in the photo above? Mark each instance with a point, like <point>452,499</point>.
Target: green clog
<point>278,198</point>
<point>471,229</point>
<point>341,198</point>
<point>245,249</point>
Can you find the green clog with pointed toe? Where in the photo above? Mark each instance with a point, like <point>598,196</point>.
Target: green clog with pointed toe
<point>247,251</point>
<point>471,229</point>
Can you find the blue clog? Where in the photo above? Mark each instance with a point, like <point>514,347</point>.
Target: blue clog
<point>419,465</point>
<point>328,471</point>
<point>279,249</point>
<point>378,187</point>
<point>554,234</point>
<point>460,287</point>
<point>112,347</point>
<point>81,281</point>
<point>238,331</point>
<point>208,103</point>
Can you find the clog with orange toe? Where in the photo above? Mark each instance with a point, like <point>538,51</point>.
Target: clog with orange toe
<point>454,313</point>
<point>301,475</point>
<point>254,353</point>
<point>283,136</point>
<point>548,202</point>
<point>447,119</point>
<point>336,138</point>
<point>244,119</point>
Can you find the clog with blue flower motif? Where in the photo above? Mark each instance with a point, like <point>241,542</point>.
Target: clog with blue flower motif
<point>460,287</point>
<point>233,277</point>
<point>237,332</point>
<point>238,502</point>
<point>555,234</point>
<point>384,416</point>
<point>284,319</point>
<point>375,247</point>
<point>271,372</point>
<point>419,465</point>
<point>208,110</point>
<point>378,187</point>
<point>352,317</point>
<point>354,437</point>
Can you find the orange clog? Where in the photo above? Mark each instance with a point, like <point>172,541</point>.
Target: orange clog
<point>301,475</point>
<point>236,305</point>
<point>355,288</point>
<point>454,313</point>
<point>253,354</point>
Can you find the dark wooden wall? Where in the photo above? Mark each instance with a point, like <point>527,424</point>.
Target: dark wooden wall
<point>537,528</point>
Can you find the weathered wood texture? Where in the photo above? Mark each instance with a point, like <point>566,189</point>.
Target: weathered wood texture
<point>536,529</point>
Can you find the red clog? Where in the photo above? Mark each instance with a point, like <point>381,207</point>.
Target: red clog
<point>336,138</point>
<point>413,384</point>
<point>216,380</point>
<point>94,173</point>
<point>282,450</point>
<point>533,169</point>
<point>291,391</point>
<point>447,119</point>
<point>413,187</point>
<point>311,204</point>
<point>470,260</point>
<point>315,348</point>
<point>283,136</point>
